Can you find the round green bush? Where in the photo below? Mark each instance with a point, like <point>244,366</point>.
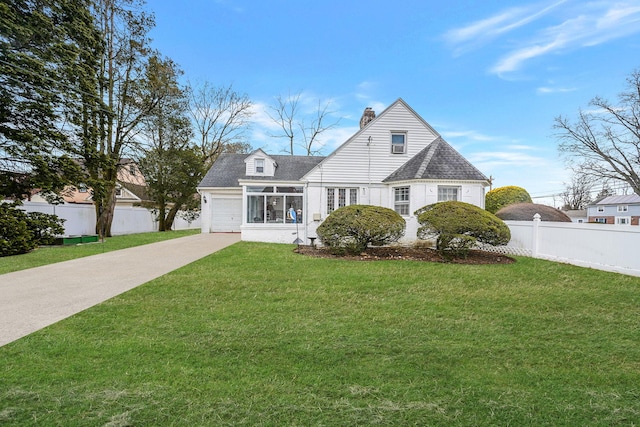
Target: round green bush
<point>351,229</point>
<point>44,227</point>
<point>500,197</point>
<point>15,236</point>
<point>457,226</point>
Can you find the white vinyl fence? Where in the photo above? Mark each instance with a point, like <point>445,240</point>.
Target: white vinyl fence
<point>600,246</point>
<point>81,219</point>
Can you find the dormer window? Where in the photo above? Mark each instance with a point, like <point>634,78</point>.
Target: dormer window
<point>259,165</point>
<point>398,143</point>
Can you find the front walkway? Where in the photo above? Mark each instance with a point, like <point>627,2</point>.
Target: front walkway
<point>38,297</point>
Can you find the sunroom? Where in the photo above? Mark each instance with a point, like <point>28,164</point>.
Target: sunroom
<point>273,212</point>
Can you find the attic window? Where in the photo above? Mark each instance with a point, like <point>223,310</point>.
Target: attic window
<point>259,165</point>
<point>398,143</point>
<point>132,169</point>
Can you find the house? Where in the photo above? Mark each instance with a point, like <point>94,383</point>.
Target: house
<point>131,188</point>
<point>396,160</point>
<point>577,215</point>
<point>621,210</point>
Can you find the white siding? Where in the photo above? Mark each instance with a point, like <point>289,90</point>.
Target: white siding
<point>362,160</point>
<point>269,164</point>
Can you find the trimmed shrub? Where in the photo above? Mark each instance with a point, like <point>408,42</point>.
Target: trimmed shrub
<point>500,197</point>
<point>458,226</point>
<point>15,237</point>
<point>351,229</point>
<point>44,227</point>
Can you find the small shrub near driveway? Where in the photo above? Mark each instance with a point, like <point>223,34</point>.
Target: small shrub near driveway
<point>350,229</point>
<point>20,232</point>
<point>15,237</point>
<point>45,227</point>
<point>457,226</point>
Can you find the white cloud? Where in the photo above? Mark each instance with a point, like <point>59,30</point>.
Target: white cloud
<point>547,89</point>
<point>589,24</point>
<point>485,30</point>
<point>468,134</point>
<point>521,147</point>
<point>494,159</point>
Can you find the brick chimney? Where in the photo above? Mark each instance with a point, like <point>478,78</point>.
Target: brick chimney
<point>367,116</point>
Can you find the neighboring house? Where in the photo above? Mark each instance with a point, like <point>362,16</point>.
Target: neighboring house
<point>577,215</point>
<point>396,160</point>
<point>131,188</point>
<point>621,210</point>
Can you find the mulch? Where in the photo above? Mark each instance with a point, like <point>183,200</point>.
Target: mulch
<point>474,257</point>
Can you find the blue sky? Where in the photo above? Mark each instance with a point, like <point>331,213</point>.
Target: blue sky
<point>489,76</point>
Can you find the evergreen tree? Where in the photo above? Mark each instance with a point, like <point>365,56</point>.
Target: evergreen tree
<point>48,53</point>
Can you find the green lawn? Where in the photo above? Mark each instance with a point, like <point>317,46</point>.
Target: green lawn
<point>257,335</point>
<point>53,254</point>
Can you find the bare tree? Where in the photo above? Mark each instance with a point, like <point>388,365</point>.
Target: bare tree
<point>220,117</point>
<point>128,96</point>
<point>287,114</point>
<point>577,193</point>
<point>605,144</point>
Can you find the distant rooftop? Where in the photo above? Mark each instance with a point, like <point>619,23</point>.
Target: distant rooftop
<point>620,200</point>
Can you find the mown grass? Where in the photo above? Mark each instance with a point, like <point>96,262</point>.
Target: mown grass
<point>52,254</point>
<point>257,335</point>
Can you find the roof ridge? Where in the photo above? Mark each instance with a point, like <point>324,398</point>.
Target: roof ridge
<point>464,158</point>
<point>431,149</point>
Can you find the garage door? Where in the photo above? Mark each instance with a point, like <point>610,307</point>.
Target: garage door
<point>226,215</point>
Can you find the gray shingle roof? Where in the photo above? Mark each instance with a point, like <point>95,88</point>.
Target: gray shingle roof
<point>438,160</point>
<point>229,168</point>
<point>620,200</point>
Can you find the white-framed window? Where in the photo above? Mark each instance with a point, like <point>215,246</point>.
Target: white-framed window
<point>623,220</point>
<point>259,163</point>
<point>601,220</point>
<point>600,209</point>
<point>272,205</point>
<point>82,188</point>
<point>401,200</point>
<point>398,143</point>
<point>340,197</point>
<point>623,208</point>
<point>448,192</point>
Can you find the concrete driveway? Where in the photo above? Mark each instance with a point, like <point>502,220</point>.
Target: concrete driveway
<point>38,297</point>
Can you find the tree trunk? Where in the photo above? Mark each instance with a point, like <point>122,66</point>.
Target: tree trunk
<point>162,225</point>
<point>105,210</point>
<point>171,215</point>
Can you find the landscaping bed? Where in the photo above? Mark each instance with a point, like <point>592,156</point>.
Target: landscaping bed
<point>409,253</point>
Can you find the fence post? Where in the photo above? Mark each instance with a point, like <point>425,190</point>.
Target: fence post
<point>534,237</point>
